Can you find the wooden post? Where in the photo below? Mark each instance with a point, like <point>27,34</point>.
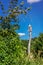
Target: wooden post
<point>30,35</point>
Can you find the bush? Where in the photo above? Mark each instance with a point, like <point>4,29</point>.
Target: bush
<point>11,50</point>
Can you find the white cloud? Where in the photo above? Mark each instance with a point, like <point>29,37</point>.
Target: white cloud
<point>21,34</point>
<point>33,1</point>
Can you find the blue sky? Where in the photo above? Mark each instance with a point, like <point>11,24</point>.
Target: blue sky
<point>34,17</point>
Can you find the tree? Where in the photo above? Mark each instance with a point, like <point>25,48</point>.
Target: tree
<point>12,13</point>
<point>12,51</point>
<point>37,45</point>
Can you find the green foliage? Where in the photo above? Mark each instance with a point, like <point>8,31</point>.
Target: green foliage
<point>37,45</point>
<point>11,50</point>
